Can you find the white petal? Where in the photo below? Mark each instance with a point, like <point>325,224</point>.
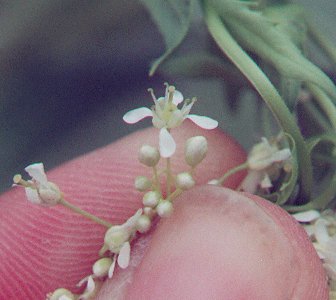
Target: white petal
<point>251,182</point>
<point>331,271</point>
<point>124,255</point>
<point>281,155</point>
<point>266,182</point>
<point>177,98</point>
<point>112,267</point>
<point>36,171</point>
<point>321,232</point>
<point>82,281</point>
<point>203,122</point>
<point>135,115</point>
<point>306,216</point>
<point>167,143</point>
<point>310,229</point>
<point>33,196</point>
<point>90,285</point>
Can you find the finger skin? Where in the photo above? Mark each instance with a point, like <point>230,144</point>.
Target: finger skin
<point>46,248</point>
<point>221,244</point>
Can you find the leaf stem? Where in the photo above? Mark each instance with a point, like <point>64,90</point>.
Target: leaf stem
<point>267,91</point>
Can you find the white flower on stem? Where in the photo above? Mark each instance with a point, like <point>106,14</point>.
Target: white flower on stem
<point>117,240</point>
<point>39,190</point>
<point>166,115</point>
<point>321,228</point>
<point>264,163</point>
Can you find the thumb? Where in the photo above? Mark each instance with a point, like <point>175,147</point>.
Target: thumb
<point>221,244</point>
<point>46,248</point>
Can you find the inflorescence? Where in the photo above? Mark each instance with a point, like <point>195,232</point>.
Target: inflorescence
<point>264,164</point>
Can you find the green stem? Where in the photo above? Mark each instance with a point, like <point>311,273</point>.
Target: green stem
<point>325,103</point>
<point>85,213</point>
<point>156,180</point>
<point>322,41</point>
<point>267,91</point>
<point>175,194</point>
<point>232,171</point>
<point>168,172</point>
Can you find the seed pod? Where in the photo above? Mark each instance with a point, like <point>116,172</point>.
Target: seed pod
<point>195,150</point>
<point>149,156</point>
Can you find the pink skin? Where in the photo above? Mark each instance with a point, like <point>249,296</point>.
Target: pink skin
<point>254,250</point>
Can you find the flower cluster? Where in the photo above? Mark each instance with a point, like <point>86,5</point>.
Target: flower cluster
<point>159,191</point>
<point>264,164</point>
<point>321,228</point>
<point>166,115</point>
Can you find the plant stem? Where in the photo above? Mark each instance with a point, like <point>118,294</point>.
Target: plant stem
<point>175,194</point>
<point>267,91</point>
<point>156,179</point>
<point>322,41</point>
<point>168,175</point>
<point>232,171</point>
<point>325,103</point>
<point>84,213</point>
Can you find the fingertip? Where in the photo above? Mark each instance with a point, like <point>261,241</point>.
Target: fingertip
<point>221,245</point>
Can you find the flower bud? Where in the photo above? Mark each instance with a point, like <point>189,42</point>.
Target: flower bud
<point>149,155</point>
<point>61,293</point>
<point>142,183</point>
<point>50,195</point>
<point>184,181</point>
<point>151,199</point>
<point>101,267</point>
<point>164,208</point>
<point>150,212</point>
<point>115,237</point>
<point>144,223</point>
<point>195,150</point>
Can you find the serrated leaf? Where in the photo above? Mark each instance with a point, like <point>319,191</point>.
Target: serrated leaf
<point>173,19</point>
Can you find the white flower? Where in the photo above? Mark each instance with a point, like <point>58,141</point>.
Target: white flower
<point>39,190</point>
<point>166,115</point>
<point>117,240</point>
<point>321,229</point>
<point>264,163</point>
<point>264,154</point>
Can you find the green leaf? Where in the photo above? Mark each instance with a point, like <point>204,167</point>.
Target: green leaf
<point>173,19</point>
